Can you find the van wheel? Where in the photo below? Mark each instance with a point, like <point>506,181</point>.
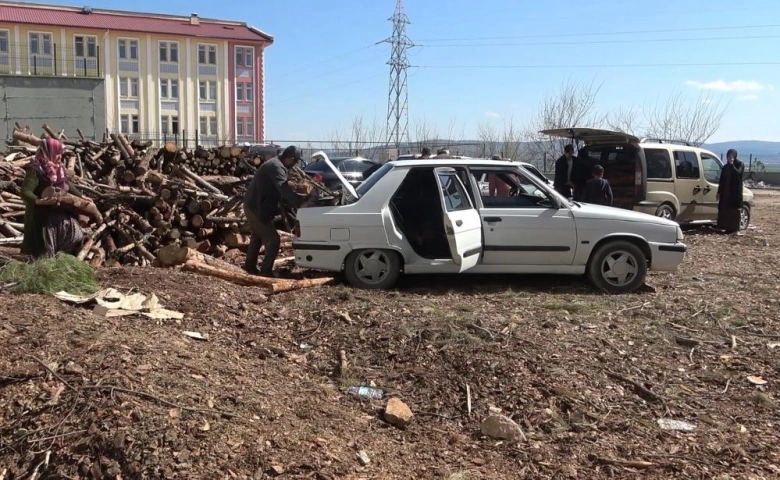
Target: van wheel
<point>618,267</point>
<point>666,210</point>
<point>372,268</point>
<point>744,217</point>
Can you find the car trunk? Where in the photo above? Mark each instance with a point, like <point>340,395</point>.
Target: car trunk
<point>622,169</point>
<point>620,156</point>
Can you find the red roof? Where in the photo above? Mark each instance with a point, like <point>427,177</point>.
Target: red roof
<point>75,17</point>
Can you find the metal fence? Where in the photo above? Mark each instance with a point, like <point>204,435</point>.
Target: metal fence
<point>46,58</point>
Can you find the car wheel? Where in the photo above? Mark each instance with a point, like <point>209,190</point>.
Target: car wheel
<point>618,267</point>
<point>744,217</point>
<point>666,211</point>
<point>372,268</point>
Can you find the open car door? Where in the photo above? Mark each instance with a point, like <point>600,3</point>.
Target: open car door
<point>462,222</point>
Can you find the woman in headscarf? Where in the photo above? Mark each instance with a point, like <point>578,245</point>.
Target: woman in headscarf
<point>47,229</point>
<point>730,193</point>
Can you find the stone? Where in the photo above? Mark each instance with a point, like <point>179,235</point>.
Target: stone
<point>502,428</point>
<point>398,413</point>
<point>363,458</point>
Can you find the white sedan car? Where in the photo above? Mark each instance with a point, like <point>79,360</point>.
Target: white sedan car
<point>429,216</point>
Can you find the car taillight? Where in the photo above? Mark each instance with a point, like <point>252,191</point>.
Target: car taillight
<point>638,191</point>
<point>297,229</point>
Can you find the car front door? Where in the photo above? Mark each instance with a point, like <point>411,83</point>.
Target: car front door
<point>462,223</point>
<point>524,227</point>
<point>688,185</point>
<point>710,168</point>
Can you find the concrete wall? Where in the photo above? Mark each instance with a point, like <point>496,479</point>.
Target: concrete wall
<point>61,102</point>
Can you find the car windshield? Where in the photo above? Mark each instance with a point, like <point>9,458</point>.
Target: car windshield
<point>373,179</point>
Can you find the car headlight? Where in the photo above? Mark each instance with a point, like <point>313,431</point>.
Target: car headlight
<point>679,234</point>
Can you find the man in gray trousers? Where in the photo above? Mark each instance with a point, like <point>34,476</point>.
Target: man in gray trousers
<point>261,204</point>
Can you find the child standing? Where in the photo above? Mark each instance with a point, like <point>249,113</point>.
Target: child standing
<point>597,190</point>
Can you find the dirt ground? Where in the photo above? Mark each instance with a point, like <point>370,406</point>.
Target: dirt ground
<point>265,395</point>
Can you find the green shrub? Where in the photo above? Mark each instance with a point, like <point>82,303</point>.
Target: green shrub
<point>50,275</point>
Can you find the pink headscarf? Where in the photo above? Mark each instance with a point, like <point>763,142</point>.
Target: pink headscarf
<point>44,163</point>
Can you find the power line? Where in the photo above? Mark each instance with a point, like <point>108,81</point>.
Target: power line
<point>323,74</point>
<point>601,34</point>
<point>614,65</point>
<point>333,87</point>
<point>308,66</point>
<point>601,42</point>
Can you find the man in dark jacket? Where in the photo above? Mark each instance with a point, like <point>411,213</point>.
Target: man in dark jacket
<point>597,190</point>
<point>563,170</point>
<point>261,204</point>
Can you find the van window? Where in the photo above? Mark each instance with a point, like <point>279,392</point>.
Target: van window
<point>659,164</point>
<point>686,164</point>
<point>712,168</point>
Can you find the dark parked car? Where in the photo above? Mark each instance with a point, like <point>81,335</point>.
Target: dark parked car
<point>354,170</point>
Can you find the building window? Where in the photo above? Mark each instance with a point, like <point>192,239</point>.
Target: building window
<point>249,56</point>
<point>240,92</point>
<point>204,123</point>
<point>4,41</point>
<point>86,46</point>
<point>128,87</point>
<point>169,123</point>
<point>207,54</point>
<point>40,43</point>
<point>249,131</point>
<point>250,94</point>
<point>208,90</point>
<point>128,49</point>
<point>129,124</point>
<point>240,127</point>
<point>169,52</point>
<point>239,56</point>
<point>212,125</point>
<point>169,89</point>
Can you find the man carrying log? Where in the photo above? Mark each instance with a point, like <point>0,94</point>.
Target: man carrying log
<point>261,204</point>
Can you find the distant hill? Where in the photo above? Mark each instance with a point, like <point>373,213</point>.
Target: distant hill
<point>768,152</point>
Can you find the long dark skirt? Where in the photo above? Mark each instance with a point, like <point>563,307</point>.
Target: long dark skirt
<point>62,233</point>
<point>728,219</point>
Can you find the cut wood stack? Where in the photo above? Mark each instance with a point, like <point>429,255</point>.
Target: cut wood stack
<point>144,198</point>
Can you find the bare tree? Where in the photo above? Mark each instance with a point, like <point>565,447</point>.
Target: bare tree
<point>511,138</point>
<point>363,139</point>
<point>424,135</point>
<point>692,121</point>
<point>490,137</point>
<point>626,120</point>
<point>573,105</point>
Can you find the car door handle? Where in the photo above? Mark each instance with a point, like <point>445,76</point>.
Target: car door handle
<point>707,189</point>
<point>458,223</point>
<point>492,219</point>
<point>696,189</point>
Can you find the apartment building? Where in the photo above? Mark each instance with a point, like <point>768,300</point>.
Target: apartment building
<point>164,75</point>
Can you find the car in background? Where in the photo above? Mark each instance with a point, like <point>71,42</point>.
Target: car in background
<point>353,169</point>
<point>671,179</point>
<point>430,216</point>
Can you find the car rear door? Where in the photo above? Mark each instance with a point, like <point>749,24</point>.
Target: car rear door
<point>462,222</point>
<point>710,169</point>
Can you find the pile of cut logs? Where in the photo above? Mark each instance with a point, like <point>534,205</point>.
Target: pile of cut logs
<point>144,199</point>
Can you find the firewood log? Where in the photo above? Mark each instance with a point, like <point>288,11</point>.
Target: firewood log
<point>73,203</point>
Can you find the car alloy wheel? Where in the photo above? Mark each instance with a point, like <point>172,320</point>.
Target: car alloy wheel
<point>744,217</point>
<point>372,266</point>
<point>665,211</point>
<point>619,268</point>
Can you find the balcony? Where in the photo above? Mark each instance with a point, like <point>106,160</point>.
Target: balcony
<point>50,59</point>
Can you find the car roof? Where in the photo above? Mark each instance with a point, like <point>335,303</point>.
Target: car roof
<point>443,162</point>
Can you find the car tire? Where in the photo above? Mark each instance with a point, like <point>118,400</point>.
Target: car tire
<point>626,275</point>
<point>744,217</point>
<point>372,268</point>
<point>666,210</point>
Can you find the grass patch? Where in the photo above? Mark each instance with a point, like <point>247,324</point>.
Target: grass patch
<point>568,306</point>
<point>50,275</point>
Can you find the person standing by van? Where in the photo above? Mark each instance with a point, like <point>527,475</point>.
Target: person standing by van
<point>730,193</point>
<point>563,170</point>
<point>597,190</point>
